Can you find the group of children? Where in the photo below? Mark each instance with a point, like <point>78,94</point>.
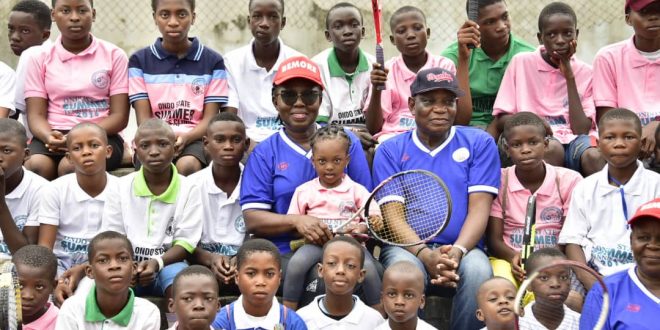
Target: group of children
<point>200,113</point>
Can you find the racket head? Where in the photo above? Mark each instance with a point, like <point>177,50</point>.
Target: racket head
<point>376,10</point>
<point>602,318</point>
<point>408,208</point>
<point>10,297</point>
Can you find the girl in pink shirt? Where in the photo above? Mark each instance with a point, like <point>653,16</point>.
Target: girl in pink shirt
<point>332,197</point>
<point>79,78</point>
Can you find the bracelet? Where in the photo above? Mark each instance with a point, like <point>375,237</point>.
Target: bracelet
<point>160,262</point>
<point>462,248</point>
<point>420,250</point>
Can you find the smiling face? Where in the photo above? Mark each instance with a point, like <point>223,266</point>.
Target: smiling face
<point>345,29</point>
<point>299,114</point>
<point>74,18</point>
<point>24,32</point>
<point>111,266</point>
<point>409,33</point>
<point>619,142</point>
<point>195,301</point>
<point>174,19</point>
<point>646,22</point>
<point>434,111</point>
<point>645,246</point>
<point>258,279</point>
<point>341,268</point>
<point>495,299</point>
<point>88,149</point>
<point>526,144</point>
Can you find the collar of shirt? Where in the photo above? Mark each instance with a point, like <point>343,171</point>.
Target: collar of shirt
<point>632,187</point>
<point>93,312</point>
<point>547,188</point>
<point>214,190</point>
<point>141,189</point>
<point>636,59</point>
<point>405,72</point>
<point>543,66</point>
<point>252,61</point>
<point>294,145</point>
<point>344,186</point>
<point>481,56</point>
<point>66,55</point>
<point>632,273</point>
<point>437,150</point>
<point>20,190</point>
<point>336,70</point>
<point>176,324</point>
<point>194,52</point>
<point>354,317</point>
<point>82,196</point>
<point>243,322</point>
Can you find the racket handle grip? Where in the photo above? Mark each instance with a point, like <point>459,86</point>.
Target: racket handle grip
<point>380,59</point>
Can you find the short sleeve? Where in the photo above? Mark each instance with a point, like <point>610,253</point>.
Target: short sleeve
<point>66,317</point>
<point>7,87</point>
<point>576,226</point>
<point>188,229</point>
<point>588,100</point>
<point>295,322</point>
<point>35,85</point>
<point>358,168</point>
<point>218,89</point>
<point>451,52</point>
<point>222,318</point>
<point>257,183</point>
<point>137,88</point>
<point>604,82</point>
<point>591,308</point>
<point>325,110</point>
<point>496,207</point>
<point>484,175</point>
<point>151,317</point>
<point>567,182</point>
<point>385,164</point>
<point>119,77</point>
<point>232,92</point>
<point>505,103</point>
<point>297,205</point>
<point>49,212</point>
<point>112,212</point>
<point>35,207</point>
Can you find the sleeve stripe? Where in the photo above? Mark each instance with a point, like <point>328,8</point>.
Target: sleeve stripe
<point>187,246</point>
<point>482,188</point>
<point>255,206</point>
<point>135,72</point>
<point>217,99</point>
<point>138,96</point>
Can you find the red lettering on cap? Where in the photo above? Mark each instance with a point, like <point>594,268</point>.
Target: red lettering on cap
<point>440,77</point>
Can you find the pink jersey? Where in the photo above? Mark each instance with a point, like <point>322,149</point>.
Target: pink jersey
<point>623,78</point>
<point>77,86</point>
<point>332,205</point>
<point>552,203</point>
<point>397,117</point>
<point>531,84</point>
<point>46,321</point>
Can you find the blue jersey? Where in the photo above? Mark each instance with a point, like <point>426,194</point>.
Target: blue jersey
<point>225,319</point>
<point>632,305</point>
<point>277,166</point>
<point>467,162</point>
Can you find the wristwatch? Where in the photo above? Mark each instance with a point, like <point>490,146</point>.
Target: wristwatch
<point>462,248</point>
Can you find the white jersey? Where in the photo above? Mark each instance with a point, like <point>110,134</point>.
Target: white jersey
<point>571,320</point>
<point>421,325</point>
<point>361,316</point>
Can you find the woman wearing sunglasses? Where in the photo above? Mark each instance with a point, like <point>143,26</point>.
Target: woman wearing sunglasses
<point>281,163</point>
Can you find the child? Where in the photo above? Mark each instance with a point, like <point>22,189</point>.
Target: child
<point>98,94</point>
<point>36,267</point>
<point>186,104</point>
<point>259,273</point>
<point>194,298</point>
<point>495,299</point>
<point>625,71</point>
<point>480,70</point>
<point>252,69</point>
<point>158,209</point>
<point>7,82</point>
<point>332,197</point>
<point>403,297</point>
<point>595,231</point>
<point>219,186</point>
<point>20,190</point>
<point>388,113</point>
<point>72,206</point>
<point>554,84</point>
<point>550,289</point>
<point>341,269</point>
<point>111,303</point>
<point>525,142</point>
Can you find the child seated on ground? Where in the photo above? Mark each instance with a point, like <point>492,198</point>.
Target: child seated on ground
<point>20,191</point>
<point>495,300</point>
<point>219,185</point>
<point>194,299</point>
<point>111,303</point>
<point>37,268</point>
<point>596,231</point>
<point>554,84</point>
<point>259,273</point>
<point>550,288</point>
<point>403,297</point>
<point>72,205</point>
<point>341,269</point>
<point>334,198</point>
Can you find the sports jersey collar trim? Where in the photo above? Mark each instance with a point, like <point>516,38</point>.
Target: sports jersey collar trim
<point>141,189</point>
<point>294,146</point>
<point>354,316</point>
<point>336,70</point>
<point>194,52</point>
<point>66,55</point>
<point>437,150</point>
<point>637,59</point>
<point>409,75</point>
<point>93,312</point>
<point>632,187</point>
<point>481,56</point>
<point>243,322</point>
<point>632,272</point>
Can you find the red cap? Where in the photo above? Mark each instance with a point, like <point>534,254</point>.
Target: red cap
<point>298,67</point>
<point>638,5</point>
<point>647,210</point>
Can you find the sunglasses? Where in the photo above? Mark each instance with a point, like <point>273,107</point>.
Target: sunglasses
<point>308,97</point>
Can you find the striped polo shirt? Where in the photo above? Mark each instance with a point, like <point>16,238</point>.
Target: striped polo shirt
<point>177,88</point>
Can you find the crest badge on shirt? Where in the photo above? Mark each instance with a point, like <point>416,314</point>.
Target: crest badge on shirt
<point>461,155</point>
<point>170,227</point>
<point>101,79</point>
<point>239,224</point>
<point>198,86</point>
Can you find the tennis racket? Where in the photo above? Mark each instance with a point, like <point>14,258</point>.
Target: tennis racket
<point>406,209</point>
<point>604,308</point>
<point>380,56</point>
<point>529,236</point>
<point>10,298</point>
<point>473,14</point>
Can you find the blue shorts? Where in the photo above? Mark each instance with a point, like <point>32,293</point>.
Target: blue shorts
<point>163,280</point>
<point>573,152</point>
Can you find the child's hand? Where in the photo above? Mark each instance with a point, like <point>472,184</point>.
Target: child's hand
<point>516,268</point>
<point>312,229</point>
<point>67,283</point>
<point>648,140</point>
<point>146,272</point>
<point>180,143</point>
<point>56,142</point>
<point>468,34</point>
<point>378,75</point>
<point>224,268</point>
<point>564,60</point>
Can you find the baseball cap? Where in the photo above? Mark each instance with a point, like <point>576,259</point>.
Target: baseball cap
<point>647,210</point>
<point>638,5</point>
<point>435,78</point>
<point>298,67</point>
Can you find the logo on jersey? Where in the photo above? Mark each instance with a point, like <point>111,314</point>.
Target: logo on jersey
<point>20,221</point>
<point>239,224</point>
<point>283,166</point>
<point>633,308</point>
<point>170,227</point>
<point>347,208</point>
<point>461,155</point>
<point>101,79</point>
<point>551,214</point>
<point>311,287</point>
<point>198,86</point>
<point>405,157</point>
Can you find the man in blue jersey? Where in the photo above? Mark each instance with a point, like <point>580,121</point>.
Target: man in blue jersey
<point>635,292</point>
<point>467,161</point>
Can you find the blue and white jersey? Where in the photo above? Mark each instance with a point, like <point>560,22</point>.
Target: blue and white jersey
<point>467,162</point>
<point>277,166</point>
<point>632,305</point>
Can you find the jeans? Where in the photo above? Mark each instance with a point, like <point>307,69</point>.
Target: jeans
<point>473,270</point>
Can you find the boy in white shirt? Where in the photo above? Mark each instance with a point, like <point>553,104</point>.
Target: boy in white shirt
<point>341,269</point>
